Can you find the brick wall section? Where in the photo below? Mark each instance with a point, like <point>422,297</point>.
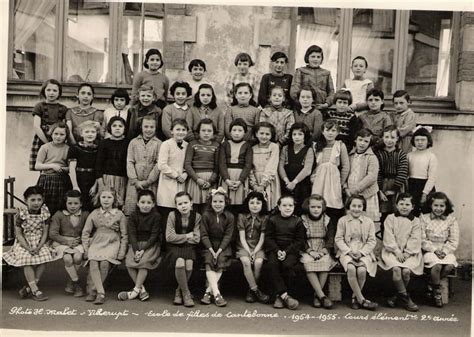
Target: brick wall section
<point>173,54</point>
<point>175,9</point>
<point>281,13</point>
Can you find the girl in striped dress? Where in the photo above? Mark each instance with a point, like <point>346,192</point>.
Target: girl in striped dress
<point>393,172</point>
<point>202,163</point>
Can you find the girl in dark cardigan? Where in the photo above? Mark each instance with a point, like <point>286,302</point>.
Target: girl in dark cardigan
<point>217,228</point>
<point>285,237</point>
<point>182,235</point>
<point>144,244</point>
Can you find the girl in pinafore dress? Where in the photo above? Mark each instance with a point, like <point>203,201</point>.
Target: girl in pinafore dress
<point>52,162</point>
<point>235,164</point>
<point>296,164</point>
<point>111,160</point>
<point>82,160</point>
<point>332,169</point>
<point>183,235</point>
<point>45,114</point>
<point>363,174</point>
<point>171,166</point>
<point>142,163</point>
<point>393,172</point>
<point>104,239</point>
<point>440,238</point>
<point>251,226</point>
<point>144,239</point>
<point>65,232</point>
<point>355,239</point>
<point>202,163</point>
<point>83,112</point>
<point>30,249</point>
<point>316,258</point>
<point>217,228</point>
<point>264,175</point>
<point>401,250</point>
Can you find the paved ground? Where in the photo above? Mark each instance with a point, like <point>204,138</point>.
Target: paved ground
<point>62,312</point>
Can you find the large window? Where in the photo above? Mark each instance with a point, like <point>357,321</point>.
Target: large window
<point>34,35</point>
<point>428,56</point>
<point>82,40</point>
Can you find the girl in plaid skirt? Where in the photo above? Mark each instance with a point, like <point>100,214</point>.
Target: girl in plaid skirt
<point>316,258</point>
<point>30,249</point>
<point>52,162</point>
<point>46,113</point>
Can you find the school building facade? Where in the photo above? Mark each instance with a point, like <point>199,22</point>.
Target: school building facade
<point>428,53</point>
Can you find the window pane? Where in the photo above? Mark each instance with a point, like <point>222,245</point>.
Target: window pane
<point>428,59</point>
<point>319,26</point>
<point>34,32</point>
<point>87,41</point>
<point>134,25</point>
<point>373,36</point>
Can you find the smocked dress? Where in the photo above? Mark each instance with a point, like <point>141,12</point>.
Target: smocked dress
<point>439,233</point>
<point>316,230</point>
<point>402,234</point>
<point>105,243</point>
<point>356,234</point>
<point>327,178</point>
<point>49,113</point>
<point>32,226</point>
<point>265,172</point>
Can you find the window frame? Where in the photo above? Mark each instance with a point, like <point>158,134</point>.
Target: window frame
<point>402,19</point>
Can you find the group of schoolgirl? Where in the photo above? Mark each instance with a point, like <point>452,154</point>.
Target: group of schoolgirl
<point>130,147</point>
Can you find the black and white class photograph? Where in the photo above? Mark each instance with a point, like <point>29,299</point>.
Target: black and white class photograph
<point>253,168</point>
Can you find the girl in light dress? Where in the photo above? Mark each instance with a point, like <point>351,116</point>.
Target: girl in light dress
<point>358,86</point>
<point>355,239</point>
<point>316,259</point>
<point>142,159</point>
<point>264,175</point>
<point>422,169</point>
<point>65,232</point>
<point>119,107</point>
<point>171,165</point>
<point>363,174</point>
<point>401,250</point>
<point>104,239</point>
<point>30,249</point>
<point>440,239</point>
